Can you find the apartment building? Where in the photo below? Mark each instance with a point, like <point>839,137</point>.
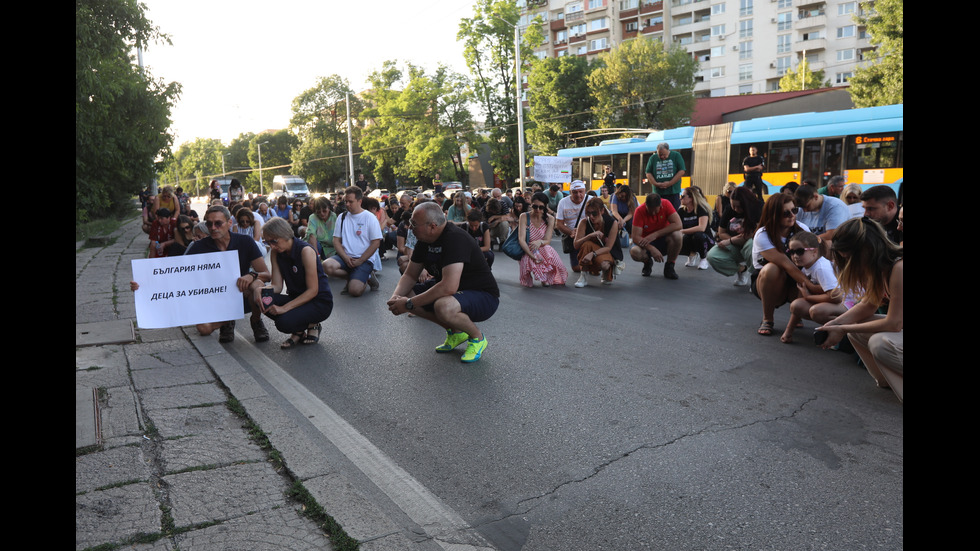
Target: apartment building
<point>744,46</point>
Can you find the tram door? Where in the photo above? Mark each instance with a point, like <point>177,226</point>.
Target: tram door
<point>636,169</point>
<point>833,158</point>
<point>810,161</point>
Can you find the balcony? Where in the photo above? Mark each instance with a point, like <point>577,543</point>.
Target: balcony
<point>557,24</point>
<point>652,7</point>
<point>658,27</point>
<point>811,45</point>
<point>810,22</point>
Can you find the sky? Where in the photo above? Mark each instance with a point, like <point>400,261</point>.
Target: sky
<point>241,62</point>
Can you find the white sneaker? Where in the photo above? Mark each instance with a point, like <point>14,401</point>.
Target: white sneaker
<point>742,279</point>
<point>693,260</point>
<point>704,264</point>
<point>620,266</point>
<point>581,281</point>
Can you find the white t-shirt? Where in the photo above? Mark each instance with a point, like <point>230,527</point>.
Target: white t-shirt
<point>822,273</point>
<point>568,211</point>
<point>761,242</point>
<point>357,231</point>
<point>832,213</point>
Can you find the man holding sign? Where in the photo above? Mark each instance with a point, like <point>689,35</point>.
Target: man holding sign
<point>252,269</point>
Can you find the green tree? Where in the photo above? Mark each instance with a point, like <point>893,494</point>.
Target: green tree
<point>193,164</point>
<point>882,82</point>
<point>122,114</point>
<point>639,84</point>
<point>488,46</point>
<point>802,78</point>
<point>559,101</point>
<point>277,153</point>
<point>320,122</point>
<point>420,130</point>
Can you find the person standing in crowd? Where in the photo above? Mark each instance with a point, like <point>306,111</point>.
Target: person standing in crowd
<point>235,191</point>
<point>754,166</point>
<point>665,170</point>
<point>609,180</point>
<point>656,235</point>
<point>462,290</point>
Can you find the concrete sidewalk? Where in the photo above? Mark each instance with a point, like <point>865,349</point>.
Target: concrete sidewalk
<point>162,460</point>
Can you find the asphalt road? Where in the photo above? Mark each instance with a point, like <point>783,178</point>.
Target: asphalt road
<point>647,414</point>
<point>643,415</point>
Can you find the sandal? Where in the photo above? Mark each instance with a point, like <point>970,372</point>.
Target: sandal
<point>766,328</point>
<point>312,339</point>
<point>293,341</point>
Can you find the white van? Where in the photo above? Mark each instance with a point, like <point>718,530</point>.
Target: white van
<point>292,187</point>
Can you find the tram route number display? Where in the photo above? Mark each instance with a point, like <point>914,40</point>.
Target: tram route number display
<point>553,170</point>
<point>187,290</point>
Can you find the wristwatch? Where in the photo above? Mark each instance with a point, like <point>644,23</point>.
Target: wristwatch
<point>409,305</point>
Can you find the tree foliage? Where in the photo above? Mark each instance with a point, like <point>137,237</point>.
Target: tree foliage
<point>639,84</point>
<point>277,153</point>
<point>193,165</point>
<point>421,129</point>
<point>319,122</point>
<point>802,78</point>
<point>122,114</point>
<point>559,101</point>
<point>882,81</point>
<point>488,39</point>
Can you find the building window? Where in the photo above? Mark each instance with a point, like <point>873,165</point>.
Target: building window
<point>582,50</point>
<point>846,8</point>
<point>745,28</point>
<point>576,30</point>
<point>784,44</point>
<point>717,72</point>
<point>573,8</point>
<point>745,50</point>
<point>718,30</point>
<point>842,78</point>
<point>814,35</point>
<point>717,51</point>
<point>784,21</point>
<point>845,55</point>
<point>599,44</point>
<point>744,8</point>
<point>846,32</point>
<point>782,4</point>
<point>745,71</point>
<point>783,64</point>
<point>632,26</point>
<point>658,20</point>
<point>598,24</point>
<point>595,4</point>
<point>541,54</point>
<point>718,9</point>
<point>744,89</point>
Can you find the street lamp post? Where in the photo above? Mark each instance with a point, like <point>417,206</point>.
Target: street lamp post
<point>520,104</point>
<point>261,186</point>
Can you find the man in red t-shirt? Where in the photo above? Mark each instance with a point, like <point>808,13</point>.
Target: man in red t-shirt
<point>656,232</point>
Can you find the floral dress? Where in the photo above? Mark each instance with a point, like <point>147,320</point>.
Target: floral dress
<point>551,270</point>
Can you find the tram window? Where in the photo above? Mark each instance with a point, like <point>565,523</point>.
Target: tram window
<point>599,166</point>
<point>784,157</point>
<point>872,151</point>
<point>620,165</point>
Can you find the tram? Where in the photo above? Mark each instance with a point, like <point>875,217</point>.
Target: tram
<point>864,145</point>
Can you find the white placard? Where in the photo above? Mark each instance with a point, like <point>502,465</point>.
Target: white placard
<point>187,290</point>
<point>554,170</point>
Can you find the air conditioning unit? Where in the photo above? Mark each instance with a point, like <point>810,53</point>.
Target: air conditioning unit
<point>735,48</point>
<point>772,65</point>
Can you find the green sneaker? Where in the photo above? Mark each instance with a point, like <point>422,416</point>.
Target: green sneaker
<point>474,349</point>
<point>453,340</point>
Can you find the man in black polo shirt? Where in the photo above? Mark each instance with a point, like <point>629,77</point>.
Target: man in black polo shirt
<point>462,291</point>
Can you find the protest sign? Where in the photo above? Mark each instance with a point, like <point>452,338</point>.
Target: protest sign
<point>554,170</point>
<point>187,290</point>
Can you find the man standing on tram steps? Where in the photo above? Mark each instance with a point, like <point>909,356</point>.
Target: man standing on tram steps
<point>664,171</point>
<point>356,237</point>
<point>571,209</point>
<point>462,291</point>
<point>754,166</point>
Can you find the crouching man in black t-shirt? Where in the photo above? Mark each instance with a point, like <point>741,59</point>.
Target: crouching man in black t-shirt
<point>462,291</point>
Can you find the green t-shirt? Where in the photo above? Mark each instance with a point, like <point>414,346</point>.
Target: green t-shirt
<point>663,170</point>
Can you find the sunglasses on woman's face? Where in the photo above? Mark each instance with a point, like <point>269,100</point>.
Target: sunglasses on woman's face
<point>791,212</point>
<point>537,207</point>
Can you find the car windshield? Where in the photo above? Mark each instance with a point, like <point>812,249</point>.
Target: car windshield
<point>296,187</point>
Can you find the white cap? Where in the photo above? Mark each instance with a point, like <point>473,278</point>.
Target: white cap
<point>577,184</point>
